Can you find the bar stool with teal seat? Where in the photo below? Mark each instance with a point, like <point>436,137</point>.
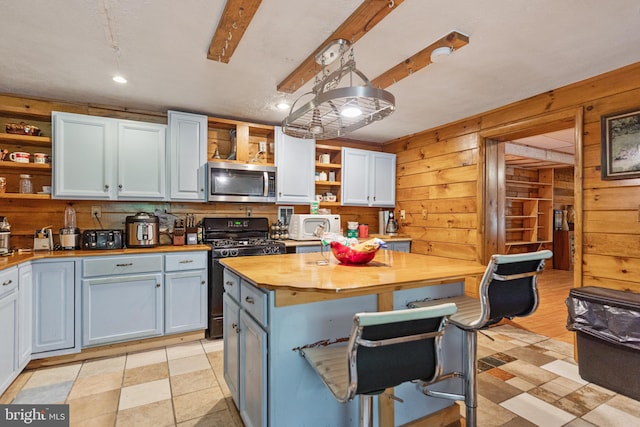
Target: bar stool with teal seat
<point>508,289</point>
<point>385,349</point>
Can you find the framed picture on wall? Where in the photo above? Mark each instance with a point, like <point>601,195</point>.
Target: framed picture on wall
<point>621,145</point>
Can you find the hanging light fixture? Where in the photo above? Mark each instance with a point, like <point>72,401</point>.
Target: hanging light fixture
<point>337,107</point>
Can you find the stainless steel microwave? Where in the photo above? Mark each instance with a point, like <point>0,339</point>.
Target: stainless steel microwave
<point>239,182</point>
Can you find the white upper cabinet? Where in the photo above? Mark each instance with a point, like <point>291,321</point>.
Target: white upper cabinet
<point>141,160</point>
<point>83,156</point>
<point>187,156</point>
<point>295,163</point>
<point>368,178</point>
<point>107,159</point>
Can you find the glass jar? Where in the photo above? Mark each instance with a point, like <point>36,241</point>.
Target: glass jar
<point>26,186</point>
<point>3,184</point>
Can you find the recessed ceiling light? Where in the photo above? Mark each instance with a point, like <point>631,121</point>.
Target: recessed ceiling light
<point>119,79</point>
<point>352,111</point>
<point>283,105</point>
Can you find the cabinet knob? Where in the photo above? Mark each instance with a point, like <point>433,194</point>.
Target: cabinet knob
<point>202,190</point>
<point>106,187</point>
<point>203,282</point>
<point>7,283</point>
<point>249,300</point>
<point>157,285</point>
<point>229,283</point>
<point>235,327</point>
<point>119,186</point>
<point>128,264</point>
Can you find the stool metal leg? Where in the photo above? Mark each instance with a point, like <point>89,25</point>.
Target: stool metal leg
<point>471,383</point>
<point>366,410</point>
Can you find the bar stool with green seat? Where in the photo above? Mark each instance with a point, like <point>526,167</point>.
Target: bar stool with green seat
<point>384,350</point>
<point>508,289</point>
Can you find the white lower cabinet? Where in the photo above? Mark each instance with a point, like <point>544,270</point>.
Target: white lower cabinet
<point>185,282</point>
<point>122,298</point>
<point>54,308</point>
<point>8,327</point>
<point>245,352</point>
<point>402,246</point>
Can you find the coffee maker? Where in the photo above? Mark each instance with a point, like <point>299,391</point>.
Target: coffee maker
<point>70,234</point>
<point>392,225</point>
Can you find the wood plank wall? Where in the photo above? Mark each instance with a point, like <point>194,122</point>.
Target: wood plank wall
<point>438,169</point>
<point>25,216</point>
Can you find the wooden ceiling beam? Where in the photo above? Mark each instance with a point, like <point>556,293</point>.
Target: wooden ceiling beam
<point>367,16</point>
<point>234,22</point>
<point>420,60</point>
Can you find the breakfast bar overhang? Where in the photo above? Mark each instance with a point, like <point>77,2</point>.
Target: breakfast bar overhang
<point>277,304</point>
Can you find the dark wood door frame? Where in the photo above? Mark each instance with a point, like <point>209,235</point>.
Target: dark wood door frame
<point>491,143</point>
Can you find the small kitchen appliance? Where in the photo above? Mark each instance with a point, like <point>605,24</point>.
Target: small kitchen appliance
<point>102,239</point>
<point>70,234</point>
<point>142,230</point>
<point>392,225</point>
<point>231,237</point>
<point>303,226</point>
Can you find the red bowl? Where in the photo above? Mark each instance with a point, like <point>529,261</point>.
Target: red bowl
<point>346,255</point>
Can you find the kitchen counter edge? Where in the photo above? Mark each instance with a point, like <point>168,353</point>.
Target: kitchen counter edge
<point>17,259</point>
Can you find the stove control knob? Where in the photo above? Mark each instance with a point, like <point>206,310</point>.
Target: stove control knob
<point>233,252</point>
<point>224,252</point>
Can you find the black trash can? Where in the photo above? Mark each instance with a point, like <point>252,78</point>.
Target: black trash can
<point>607,326</point>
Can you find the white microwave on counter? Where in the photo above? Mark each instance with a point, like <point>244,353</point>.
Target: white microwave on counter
<point>310,227</point>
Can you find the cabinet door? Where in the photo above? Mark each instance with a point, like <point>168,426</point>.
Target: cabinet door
<point>121,308</point>
<point>185,301</point>
<point>8,329</point>
<point>83,156</point>
<point>25,321</point>
<point>141,160</point>
<point>295,162</point>
<point>253,372</point>
<point>231,338</point>
<point>53,306</point>
<point>187,156</point>
<point>399,246</point>
<point>383,179</point>
<point>355,177</point>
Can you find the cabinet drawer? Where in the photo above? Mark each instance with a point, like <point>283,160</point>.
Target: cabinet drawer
<point>254,302</point>
<point>108,266</point>
<point>231,283</point>
<point>8,281</point>
<point>185,261</point>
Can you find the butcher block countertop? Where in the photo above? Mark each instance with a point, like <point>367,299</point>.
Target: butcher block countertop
<point>296,274</point>
<point>18,258</point>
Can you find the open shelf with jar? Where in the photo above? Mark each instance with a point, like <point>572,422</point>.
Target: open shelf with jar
<point>328,173</point>
<point>15,143</point>
<point>528,208</point>
<point>253,142</point>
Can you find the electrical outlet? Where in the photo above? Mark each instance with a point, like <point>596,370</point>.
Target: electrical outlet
<point>402,214</point>
<point>248,211</point>
<point>96,212</point>
<point>424,214</point>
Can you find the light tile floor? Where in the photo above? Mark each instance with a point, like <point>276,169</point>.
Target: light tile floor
<point>525,380</point>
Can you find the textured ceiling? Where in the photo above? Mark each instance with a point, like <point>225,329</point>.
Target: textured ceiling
<point>69,50</point>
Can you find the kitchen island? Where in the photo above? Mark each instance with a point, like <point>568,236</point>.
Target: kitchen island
<point>276,304</point>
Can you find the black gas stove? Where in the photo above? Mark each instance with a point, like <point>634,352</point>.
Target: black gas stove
<point>231,237</point>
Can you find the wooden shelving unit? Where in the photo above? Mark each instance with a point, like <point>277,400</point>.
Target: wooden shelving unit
<point>41,173</point>
<point>335,166</point>
<point>248,139</point>
<point>528,209</point>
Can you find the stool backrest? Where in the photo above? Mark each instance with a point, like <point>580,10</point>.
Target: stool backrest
<point>509,285</point>
<point>389,348</point>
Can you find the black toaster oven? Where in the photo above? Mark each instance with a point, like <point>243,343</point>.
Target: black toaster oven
<point>102,239</point>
